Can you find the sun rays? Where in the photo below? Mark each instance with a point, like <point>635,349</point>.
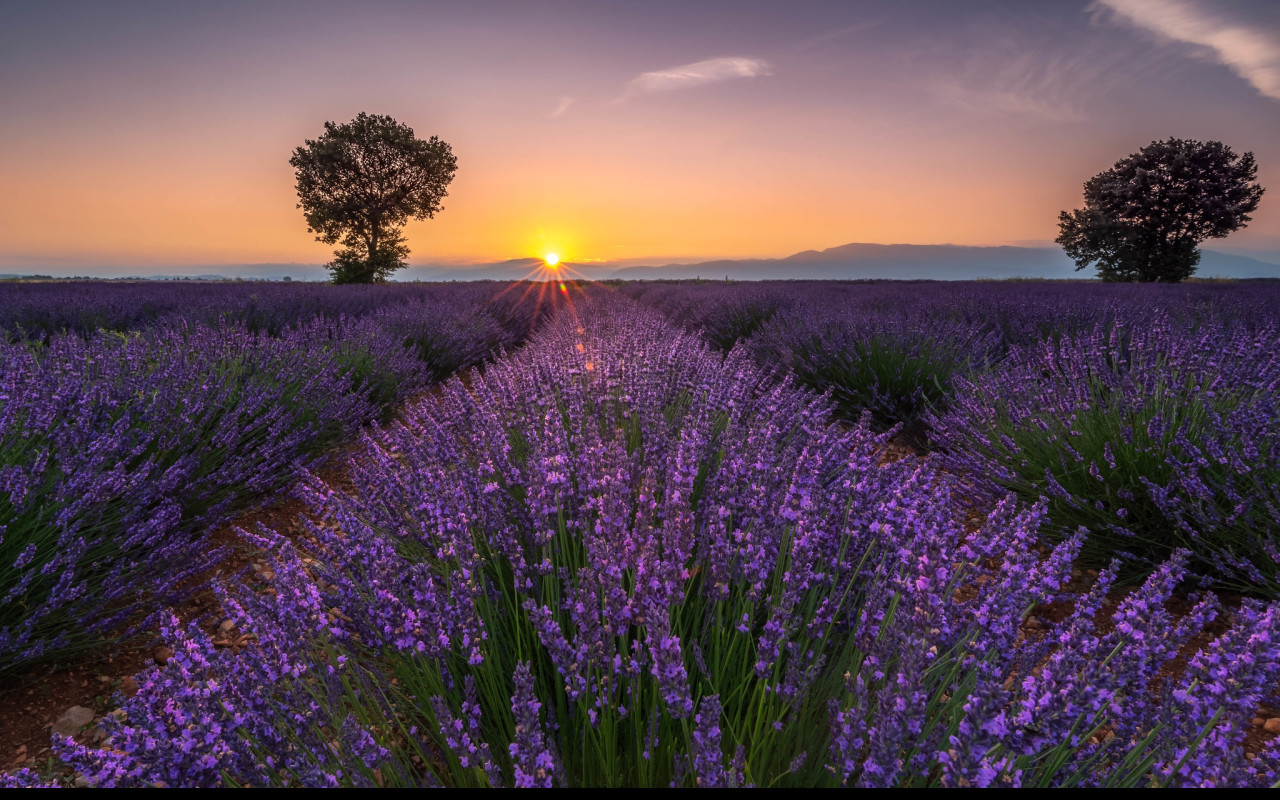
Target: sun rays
<point>553,284</point>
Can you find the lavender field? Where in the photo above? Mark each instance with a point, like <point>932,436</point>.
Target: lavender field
<point>653,534</point>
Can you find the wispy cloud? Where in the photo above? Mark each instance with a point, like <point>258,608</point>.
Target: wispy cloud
<point>1011,75</point>
<point>1022,86</point>
<point>1250,52</point>
<point>562,106</point>
<point>827,37</point>
<point>699,73</point>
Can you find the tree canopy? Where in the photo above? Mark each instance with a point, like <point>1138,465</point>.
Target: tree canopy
<point>1144,218</point>
<point>360,182</point>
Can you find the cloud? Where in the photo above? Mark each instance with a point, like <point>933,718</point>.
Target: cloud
<point>1010,75</point>
<point>699,73</point>
<point>1022,86</point>
<point>563,106</point>
<point>822,39</point>
<point>1250,52</point>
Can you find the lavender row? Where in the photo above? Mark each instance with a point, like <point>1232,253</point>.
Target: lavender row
<point>1153,436</point>
<point>1021,313</point>
<point>120,451</point>
<point>41,310</point>
<point>620,557</point>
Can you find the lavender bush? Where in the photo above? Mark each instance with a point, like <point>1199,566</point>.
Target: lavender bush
<point>1152,435</point>
<point>621,558</point>
<point>723,313</point>
<point>895,365</point>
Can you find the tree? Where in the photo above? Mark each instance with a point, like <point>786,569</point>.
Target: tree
<point>360,182</point>
<point>1144,218</point>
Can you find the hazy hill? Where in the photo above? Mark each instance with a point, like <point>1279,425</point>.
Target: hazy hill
<point>856,261</point>
<point>925,262</point>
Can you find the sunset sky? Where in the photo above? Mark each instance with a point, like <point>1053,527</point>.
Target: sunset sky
<point>157,134</point>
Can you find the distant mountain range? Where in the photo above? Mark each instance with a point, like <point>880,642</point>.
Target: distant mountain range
<point>847,262</point>
<point>943,262</point>
<point>926,262</point>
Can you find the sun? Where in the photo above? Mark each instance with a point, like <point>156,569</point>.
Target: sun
<point>552,259</point>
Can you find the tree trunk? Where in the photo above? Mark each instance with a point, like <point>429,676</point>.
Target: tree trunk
<point>372,255</point>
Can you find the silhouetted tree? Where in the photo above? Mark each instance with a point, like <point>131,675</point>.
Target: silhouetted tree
<point>360,182</point>
<point>1144,218</point>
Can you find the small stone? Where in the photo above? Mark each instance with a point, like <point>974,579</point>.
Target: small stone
<point>1272,725</point>
<point>337,614</point>
<point>76,717</point>
<point>104,679</point>
<point>227,624</point>
<point>267,574</point>
<point>81,782</point>
<point>162,655</point>
<point>128,686</point>
<point>1258,722</point>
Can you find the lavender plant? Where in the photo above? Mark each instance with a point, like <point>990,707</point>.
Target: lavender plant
<point>896,365</point>
<point>619,557</point>
<point>1152,435</point>
<point>722,313</point>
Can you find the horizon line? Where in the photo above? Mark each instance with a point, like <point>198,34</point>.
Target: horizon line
<point>655,262</point>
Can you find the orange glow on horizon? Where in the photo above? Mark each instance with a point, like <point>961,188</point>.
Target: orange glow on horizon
<point>155,205</point>
<point>238,207</point>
